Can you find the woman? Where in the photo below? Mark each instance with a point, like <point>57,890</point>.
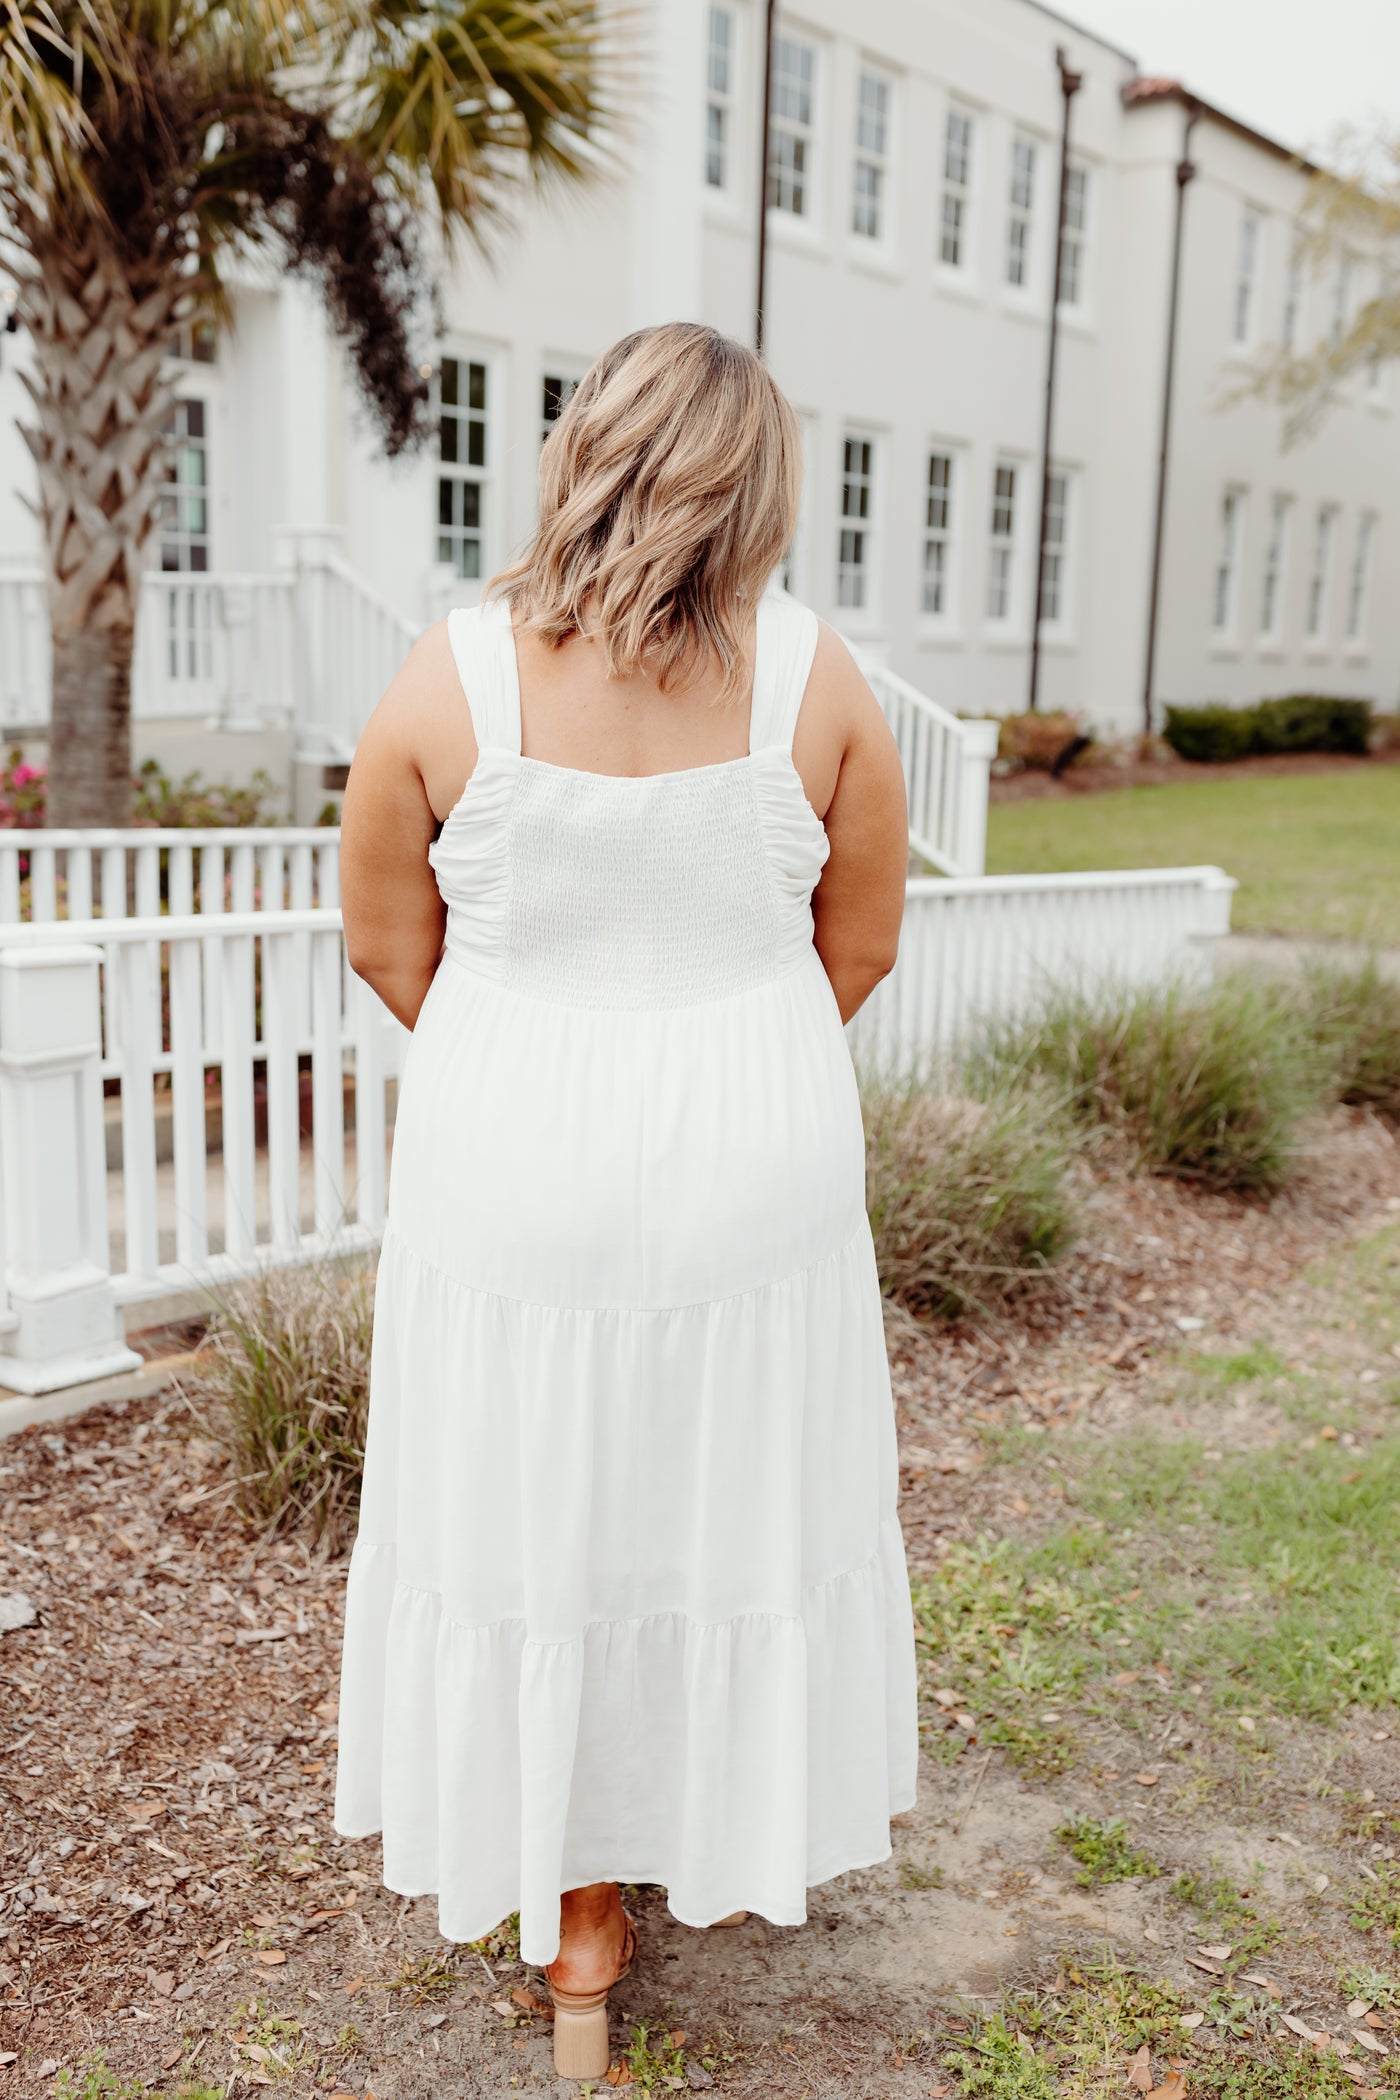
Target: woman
<point>628,1601</point>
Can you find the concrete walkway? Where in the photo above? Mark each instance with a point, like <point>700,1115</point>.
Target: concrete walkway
<point>1289,955</point>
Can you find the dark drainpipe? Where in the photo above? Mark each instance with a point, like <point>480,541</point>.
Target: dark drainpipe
<point>769,18</point>
<point>1070,84</point>
<point>1185,174</point>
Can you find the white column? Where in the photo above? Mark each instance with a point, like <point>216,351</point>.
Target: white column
<point>53,1173</point>
<point>977,748</point>
<point>667,211</point>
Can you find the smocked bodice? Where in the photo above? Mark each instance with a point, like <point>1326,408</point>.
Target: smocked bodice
<point>622,892</point>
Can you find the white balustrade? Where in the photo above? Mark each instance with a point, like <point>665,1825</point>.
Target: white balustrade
<point>947,772</point>
<point>989,948</point>
<point>212,1174</point>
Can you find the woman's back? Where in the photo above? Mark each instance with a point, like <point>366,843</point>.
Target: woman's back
<point>628,1600</point>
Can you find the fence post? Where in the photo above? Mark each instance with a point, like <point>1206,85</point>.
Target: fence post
<point>66,1325</point>
<point>976,750</point>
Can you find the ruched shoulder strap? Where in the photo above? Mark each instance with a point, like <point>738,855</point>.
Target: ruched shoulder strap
<point>785,646</point>
<point>483,649</point>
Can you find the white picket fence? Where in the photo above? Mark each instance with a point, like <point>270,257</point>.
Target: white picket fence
<point>173,1088</point>
<point>988,948</point>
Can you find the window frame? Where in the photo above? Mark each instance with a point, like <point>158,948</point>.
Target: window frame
<point>1295,288</point>
<point>961,191</point>
<point>1075,239</point>
<point>881,161</point>
<point>567,372</point>
<point>1060,624</point>
<point>1273,584</point>
<point>177,492</point>
<point>1356,620</point>
<point>724,100</point>
<point>804,131</point>
<point>1021,217</point>
<point>1003,573</point>
<point>1229,561</point>
<point>1249,253</point>
<point>946,619</point>
<point>863,526</point>
<point>1317,603</point>
<point>487,476</point>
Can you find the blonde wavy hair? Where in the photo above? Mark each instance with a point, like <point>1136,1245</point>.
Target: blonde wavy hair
<point>668,496</point>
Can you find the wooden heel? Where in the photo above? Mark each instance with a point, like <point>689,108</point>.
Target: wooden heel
<point>581,2040</point>
<point>736,1917</point>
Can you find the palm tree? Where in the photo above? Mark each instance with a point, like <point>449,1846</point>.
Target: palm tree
<point>143,140</point>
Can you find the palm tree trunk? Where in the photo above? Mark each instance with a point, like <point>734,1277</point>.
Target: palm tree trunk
<point>101,403</point>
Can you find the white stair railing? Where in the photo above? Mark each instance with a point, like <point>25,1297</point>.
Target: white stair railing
<point>947,772</point>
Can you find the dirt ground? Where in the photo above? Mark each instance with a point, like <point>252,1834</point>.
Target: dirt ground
<point>173,1897</point>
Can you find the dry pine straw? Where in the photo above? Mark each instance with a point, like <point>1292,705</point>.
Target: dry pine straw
<point>167,1726</point>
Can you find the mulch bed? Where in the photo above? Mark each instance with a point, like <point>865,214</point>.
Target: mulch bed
<point>1097,779</point>
<point>168,1873</point>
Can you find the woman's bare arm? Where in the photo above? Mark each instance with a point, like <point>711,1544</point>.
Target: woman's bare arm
<point>393,913</point>
<point>859,902</point>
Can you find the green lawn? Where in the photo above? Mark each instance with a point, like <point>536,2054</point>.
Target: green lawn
<point>1315,854</point>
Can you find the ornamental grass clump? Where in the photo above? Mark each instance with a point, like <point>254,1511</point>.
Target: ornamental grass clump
<point>1354,1016</point>
<point>969,1198</point>
<point>1209,1085</point>
<point>282,1387</point>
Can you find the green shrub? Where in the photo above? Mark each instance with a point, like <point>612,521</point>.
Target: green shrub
<point>1354,1016</point>
<point>1034,742</point>
<point>1210,735</point>
<point>1207,1085</point>
<point>192,801</point>
<point>968,1198</point>
<point>282,1385</point>
<point>1313,722</point>
<point>1213,734</point>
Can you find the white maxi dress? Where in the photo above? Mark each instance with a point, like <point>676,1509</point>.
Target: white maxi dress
<point>628,1600</point>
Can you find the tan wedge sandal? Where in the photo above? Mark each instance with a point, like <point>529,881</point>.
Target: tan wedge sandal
<point>581,2047</point>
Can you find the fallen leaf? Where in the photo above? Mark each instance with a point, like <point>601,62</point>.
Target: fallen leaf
<point>1368,2041</point>
<point>945,1697</point>
<point>1328,1435</point>
<point>619,2074</point>
<point>1358,2008</point>
<point>1209,1966</point>
<point>168,2063</point>
<point>1174,2089</point>
<point>967,1721</point>
<point>265,1918</point>
<point>1140,2071</point>
<point>677,2037</point>
<point>1373,2020</point>
<point>1297,2026</point>
<point>271,1958</point>
<point>525,1998</point>
<point>356,1983</point>
<point>1264,1982</point>
<point>1322,1882</point>
<point>48,2068</point>
<point>212,1953</point>
<point>1220,1953</point>
<point>1192,2021</point>
<point>1145,1778</point>
<point>1127,1677</point>
<point>9,2056</point>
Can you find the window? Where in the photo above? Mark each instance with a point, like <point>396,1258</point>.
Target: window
<point>1222,613</point>
<point>1054,567</point>
<point>1245,277</point>
<point>1275,562</point>
<point>868,211</point>
<point>1000,572</point>
<point>1018,225</point>
<point>957,189</point>
<point>194,343</point>
<point>719,97</point>
<point>556,393</point>
<point>857,512</point>
<point>1359,586</point>
<point>1075,237</point>
<point>790,130</point>
<point>1320,576</point>
<point>462,461</point>
<point>939,499</point>
<point>1293,295</point>
<point>184,500</point>
<point>1341,300</point>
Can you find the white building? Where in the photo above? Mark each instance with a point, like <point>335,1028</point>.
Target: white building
<point>911,248</point>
